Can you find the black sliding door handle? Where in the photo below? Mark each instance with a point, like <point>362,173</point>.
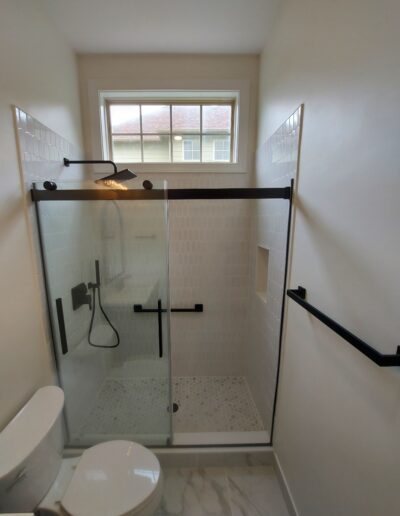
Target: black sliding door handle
<point>198,307</point>
<point>160,328</point>
<point>61,326</point>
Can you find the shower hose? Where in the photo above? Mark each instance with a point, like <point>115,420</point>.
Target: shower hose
<point>96,287</point>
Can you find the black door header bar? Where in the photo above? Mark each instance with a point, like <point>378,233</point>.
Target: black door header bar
<point>173,194</point>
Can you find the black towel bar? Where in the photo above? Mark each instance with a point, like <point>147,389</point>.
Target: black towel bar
<point>299,295</point>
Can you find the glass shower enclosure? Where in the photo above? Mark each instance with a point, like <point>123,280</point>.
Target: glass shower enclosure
<point>106,274</point>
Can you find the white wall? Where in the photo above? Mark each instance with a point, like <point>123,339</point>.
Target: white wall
<point>276,166</point>
<point>338,420</point>
<point>99,72</point>
<point>37,73</point>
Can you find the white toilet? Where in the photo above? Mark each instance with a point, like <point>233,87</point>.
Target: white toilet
<point>115,478</point>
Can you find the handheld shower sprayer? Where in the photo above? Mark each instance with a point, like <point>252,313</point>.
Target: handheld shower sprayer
<point>95,287</point>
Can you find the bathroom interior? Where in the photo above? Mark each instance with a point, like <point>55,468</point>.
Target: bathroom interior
<point>199,255</point>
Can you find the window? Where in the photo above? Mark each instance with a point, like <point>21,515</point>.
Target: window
<point>221,149</point>
<point>191,150</point>
<point>171,132</point>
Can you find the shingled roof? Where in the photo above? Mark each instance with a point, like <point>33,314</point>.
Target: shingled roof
<point>216,119</point>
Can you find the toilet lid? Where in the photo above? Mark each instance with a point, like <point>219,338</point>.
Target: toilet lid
<point>112,479</point>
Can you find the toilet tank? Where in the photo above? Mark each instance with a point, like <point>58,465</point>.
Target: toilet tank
<point>31,451</point>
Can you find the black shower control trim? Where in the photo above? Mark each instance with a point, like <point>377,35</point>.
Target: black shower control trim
<point>80,296</point>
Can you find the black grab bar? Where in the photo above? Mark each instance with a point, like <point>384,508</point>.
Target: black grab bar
<point>299,295</point>
<point>198,307</point>
<point>160,310</point>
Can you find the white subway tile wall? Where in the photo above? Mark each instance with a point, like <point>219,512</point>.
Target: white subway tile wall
<point>276,165</point>
<point>209,264</point>
<point>41,153</point>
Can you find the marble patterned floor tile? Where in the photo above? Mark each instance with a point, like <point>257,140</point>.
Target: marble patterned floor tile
<point>215,491</point>
<point>195,492</point>
<point>255,491</point>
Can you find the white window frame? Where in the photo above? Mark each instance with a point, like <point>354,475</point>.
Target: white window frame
<point>170,103</point>
<point>100,89</point>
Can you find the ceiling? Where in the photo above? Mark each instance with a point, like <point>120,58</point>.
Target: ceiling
<point>170,26</point>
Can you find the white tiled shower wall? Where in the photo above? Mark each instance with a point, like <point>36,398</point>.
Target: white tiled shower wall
<point>276,165</point>
<point>41,154</point>
<point>209,264</point>
<point>69,254</point>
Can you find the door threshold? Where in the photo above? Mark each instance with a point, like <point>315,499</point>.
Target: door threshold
<point>260,438</point>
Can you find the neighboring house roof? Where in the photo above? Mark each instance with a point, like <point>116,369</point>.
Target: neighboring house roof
<point>216,119</point>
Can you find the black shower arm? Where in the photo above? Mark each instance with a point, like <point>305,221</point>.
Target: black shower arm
<point>68,162</point>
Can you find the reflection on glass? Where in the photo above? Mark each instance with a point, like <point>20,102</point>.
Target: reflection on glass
<point>147,473</point>
<point>156,119</point>
<point>103,388</point>
<point>125,118</point>
<point>185,119</point>
<point>156,148</point>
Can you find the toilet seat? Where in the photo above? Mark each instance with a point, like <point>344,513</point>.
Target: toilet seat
<point>116,478</point>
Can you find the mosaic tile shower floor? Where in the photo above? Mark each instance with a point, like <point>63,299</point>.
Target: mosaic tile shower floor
<point>214,404</point>
<point>206,404</point>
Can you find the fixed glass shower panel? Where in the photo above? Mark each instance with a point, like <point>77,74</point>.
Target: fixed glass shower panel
<point>104,259</point>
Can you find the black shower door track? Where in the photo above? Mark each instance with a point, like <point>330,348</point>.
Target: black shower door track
<point>172,194</point>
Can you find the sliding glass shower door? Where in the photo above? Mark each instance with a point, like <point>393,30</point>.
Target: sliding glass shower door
<point>106,268</point>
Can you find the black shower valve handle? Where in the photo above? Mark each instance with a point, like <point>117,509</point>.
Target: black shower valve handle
<point>80,296</point>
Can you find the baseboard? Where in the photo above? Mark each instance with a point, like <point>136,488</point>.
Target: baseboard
<point>284,487</point>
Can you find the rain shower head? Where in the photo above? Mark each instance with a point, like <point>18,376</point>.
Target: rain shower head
<point>113,180</point>
<point>116,178</point>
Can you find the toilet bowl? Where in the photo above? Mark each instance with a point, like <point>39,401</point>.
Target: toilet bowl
<point>115,478</point>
